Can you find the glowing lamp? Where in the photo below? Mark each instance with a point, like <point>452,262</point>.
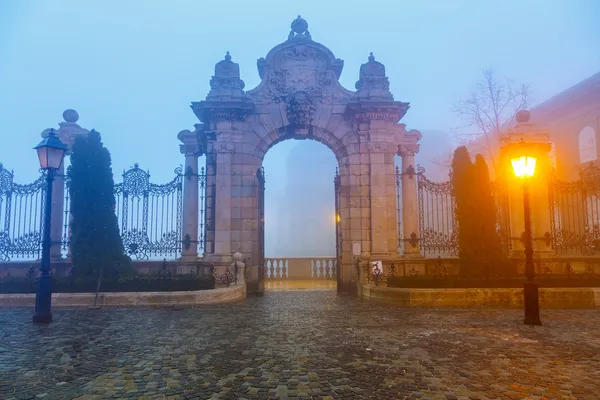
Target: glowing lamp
<point>523,166</point>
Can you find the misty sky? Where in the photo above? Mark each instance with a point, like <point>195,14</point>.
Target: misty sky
<point>131,68</point>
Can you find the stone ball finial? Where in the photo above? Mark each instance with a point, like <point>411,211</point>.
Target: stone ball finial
<point>523,116</point>
<point>70,115</point>
<point>299,25</point>
<point>237,256</point>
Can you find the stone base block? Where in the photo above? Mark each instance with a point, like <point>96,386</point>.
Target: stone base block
<point>548,297</point>
<point>215,296</point>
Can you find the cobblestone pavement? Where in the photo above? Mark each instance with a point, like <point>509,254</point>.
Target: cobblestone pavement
<point>299,345</point>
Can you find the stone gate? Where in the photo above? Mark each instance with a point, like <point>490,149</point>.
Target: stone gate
<point>300,97</point>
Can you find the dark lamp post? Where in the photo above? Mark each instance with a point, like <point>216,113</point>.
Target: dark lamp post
<point>51,152</point>
<point>524,169</point>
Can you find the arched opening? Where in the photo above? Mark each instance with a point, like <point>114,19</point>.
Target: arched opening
<point>300,218</point>
<point>587,145</point>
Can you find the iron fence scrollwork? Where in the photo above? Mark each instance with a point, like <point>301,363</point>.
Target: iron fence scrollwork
<point>437,217</point>
<point>575,213</point>
<point>21,217</point>
<point>149,214</point>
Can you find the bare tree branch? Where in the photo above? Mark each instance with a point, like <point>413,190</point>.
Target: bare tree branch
<point>489,109</point>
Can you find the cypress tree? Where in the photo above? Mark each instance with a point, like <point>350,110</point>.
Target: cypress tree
<point>463,174</point>
<point>491,256</point>
<point>96,245</point>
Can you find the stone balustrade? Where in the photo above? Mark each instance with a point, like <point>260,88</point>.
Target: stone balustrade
<point>300,268</point>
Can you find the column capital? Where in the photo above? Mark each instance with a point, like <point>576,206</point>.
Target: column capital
<point>408,149</point>
<point>191,146</point>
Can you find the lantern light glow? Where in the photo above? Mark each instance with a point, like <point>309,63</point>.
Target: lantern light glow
<point>524,166</point>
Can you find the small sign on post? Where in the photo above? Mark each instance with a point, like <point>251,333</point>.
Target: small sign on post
<point>356,250</point>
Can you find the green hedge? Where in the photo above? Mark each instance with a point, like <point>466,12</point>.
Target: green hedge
<point>12,285</point>
<point>549,281</point>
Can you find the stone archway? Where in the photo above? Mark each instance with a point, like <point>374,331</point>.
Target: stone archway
<point>300,97</point>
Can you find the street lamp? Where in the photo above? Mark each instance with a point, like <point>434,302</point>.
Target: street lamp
<point>51,152</point>
<point>524,169</point>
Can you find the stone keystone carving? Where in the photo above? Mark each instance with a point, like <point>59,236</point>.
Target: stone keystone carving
<point>300,108</point>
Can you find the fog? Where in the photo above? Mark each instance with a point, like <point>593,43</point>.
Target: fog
<point>131,72</point>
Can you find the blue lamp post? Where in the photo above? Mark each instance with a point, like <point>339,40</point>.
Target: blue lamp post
<point>51,152</point>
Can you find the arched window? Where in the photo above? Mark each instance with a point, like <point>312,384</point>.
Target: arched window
<point>587,145</point>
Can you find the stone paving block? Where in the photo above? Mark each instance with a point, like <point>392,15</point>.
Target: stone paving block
<point>300,345</point>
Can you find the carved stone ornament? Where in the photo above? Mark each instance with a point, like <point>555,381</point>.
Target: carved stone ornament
<point>225,147</point>
<point>226,83</point>
<point>299,29</point>
<point>372,81</point>
<point>300,108</point>
<point>299,65</point>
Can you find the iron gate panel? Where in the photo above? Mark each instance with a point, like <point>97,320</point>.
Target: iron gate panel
<point>202,211</point>
<point>575,213</point>
<point>260,177</point>
<point>150,215</point>
<point>437,217</point>
<point>21,217</point>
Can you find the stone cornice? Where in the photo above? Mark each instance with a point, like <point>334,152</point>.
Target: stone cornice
<point>392,111</point>
<point>210,111</point>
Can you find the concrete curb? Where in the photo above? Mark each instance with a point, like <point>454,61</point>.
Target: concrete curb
<point>214,296</point>
<point>549,297</point>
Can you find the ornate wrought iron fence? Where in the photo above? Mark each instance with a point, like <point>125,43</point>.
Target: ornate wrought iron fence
<point>575,213</point>
<point>150,215</point>
<point>437,217</point>
<point>202,211</point>
<point>398,181</point>
<point>21,217</point>
<point>67,218</point>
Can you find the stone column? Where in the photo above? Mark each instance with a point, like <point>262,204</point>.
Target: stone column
<point>57,217</point>
<point>384,242</point>
<point>410,201</point>
<point>191,150</point>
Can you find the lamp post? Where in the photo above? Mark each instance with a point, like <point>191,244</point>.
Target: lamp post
<point>524,169</point>
<point>51,152</point>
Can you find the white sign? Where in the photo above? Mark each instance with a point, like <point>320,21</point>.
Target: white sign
<point>356,249</point>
